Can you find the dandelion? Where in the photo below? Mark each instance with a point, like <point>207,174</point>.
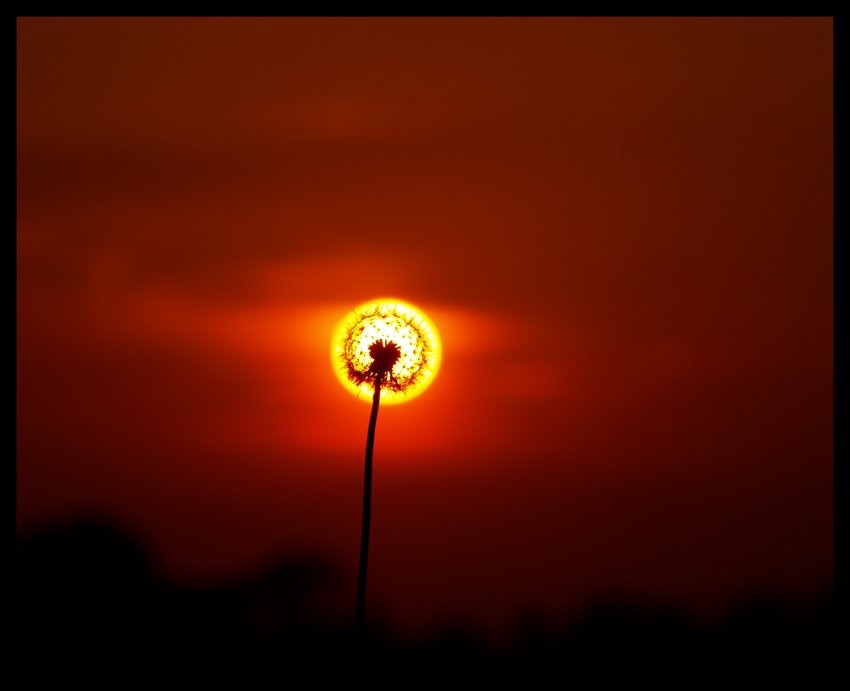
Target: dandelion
<point>388,349</point>
<point>394,327</point>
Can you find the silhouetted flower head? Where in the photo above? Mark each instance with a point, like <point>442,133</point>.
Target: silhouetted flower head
<point>384,355</point>
<point>387,342</point>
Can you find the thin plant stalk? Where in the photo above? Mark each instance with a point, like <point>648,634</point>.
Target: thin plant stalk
<point>395,333</point>
<point>367,509</point>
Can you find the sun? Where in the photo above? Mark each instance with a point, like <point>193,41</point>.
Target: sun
<point>386,331</point>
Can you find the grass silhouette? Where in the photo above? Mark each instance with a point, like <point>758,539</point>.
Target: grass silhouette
<point>89,604</point>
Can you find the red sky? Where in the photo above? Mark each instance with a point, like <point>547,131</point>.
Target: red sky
<point>622,229</point>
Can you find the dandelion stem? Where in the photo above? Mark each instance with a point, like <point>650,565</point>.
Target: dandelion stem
<point>367,509</point>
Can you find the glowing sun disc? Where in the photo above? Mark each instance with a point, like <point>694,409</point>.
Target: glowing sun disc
<point>386,320</point>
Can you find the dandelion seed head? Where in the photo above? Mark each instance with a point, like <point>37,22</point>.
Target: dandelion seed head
<point>390,341</point>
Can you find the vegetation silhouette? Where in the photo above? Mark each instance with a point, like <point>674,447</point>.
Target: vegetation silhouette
<point>384,355</point>
<point>384,346</point>
<point>89,605</point>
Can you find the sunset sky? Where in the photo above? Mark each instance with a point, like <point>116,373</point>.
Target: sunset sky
<point>622,229</point>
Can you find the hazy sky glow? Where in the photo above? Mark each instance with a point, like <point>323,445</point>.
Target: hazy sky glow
<point>621,228</point>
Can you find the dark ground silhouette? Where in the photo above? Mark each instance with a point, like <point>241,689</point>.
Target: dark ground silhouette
<point>89,606</point>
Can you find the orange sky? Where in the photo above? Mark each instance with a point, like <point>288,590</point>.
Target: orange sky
<point>622,229</point>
